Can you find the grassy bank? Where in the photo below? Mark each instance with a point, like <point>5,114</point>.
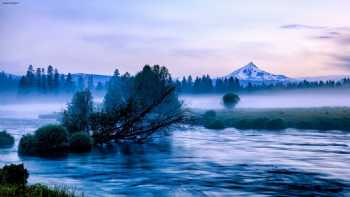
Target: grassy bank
<point>13,183</point>
<point>36,190</point>
<point>324,118</point>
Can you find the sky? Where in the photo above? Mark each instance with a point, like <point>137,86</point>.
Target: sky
<point>297,38</point>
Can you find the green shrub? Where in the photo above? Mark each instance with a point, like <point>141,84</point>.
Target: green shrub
<point>51,139</point>
<point>13,175</point>
<point>27,145</point>
<point>13,180</point>
<point>210,114</point>
<point>215,124</point>
<point>259,123</point>
<point>80,142</point>
<point>6,140</point>
<point>46,140</point>
<point>243,124</point>
<point>230,100</point>
<point>276,124</point>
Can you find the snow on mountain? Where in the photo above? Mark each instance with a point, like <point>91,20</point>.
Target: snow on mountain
<point>252,73</point>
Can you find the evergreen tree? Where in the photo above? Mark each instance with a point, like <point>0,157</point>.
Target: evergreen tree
<point>56,81</point>
<point>69,84</point>
<point>76,117</point>
<point>81,83</point>
<point>91,82</point>
<point>50,83</point>
<point>114,96</point>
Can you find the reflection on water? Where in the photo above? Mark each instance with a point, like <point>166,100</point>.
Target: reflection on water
<point>200,162</point>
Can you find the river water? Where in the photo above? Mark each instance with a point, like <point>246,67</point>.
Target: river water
<point>194,161</point>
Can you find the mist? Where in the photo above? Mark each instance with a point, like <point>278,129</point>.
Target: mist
<point>280,99</point>
<point>32,106</point>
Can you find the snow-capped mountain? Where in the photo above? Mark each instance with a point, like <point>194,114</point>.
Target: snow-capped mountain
<point>252,73</point>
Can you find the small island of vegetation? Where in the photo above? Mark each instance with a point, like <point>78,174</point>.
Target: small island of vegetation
<point>6,140</point>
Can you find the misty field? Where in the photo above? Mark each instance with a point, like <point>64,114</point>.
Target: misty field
<point>322,118</point>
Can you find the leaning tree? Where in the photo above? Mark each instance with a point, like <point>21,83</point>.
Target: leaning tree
<point>152,105</point>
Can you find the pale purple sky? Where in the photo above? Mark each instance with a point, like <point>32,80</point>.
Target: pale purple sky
<point>295,38</point>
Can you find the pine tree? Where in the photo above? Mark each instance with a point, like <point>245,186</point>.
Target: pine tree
<point>50,82</point>
<point>56,81</point>
<point>91,82</point>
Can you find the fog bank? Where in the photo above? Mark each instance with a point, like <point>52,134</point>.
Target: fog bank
<point>297,99</point>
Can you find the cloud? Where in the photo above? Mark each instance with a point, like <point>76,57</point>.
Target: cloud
<point>301,26</point>
<point>341,61</point>
<point>334,42</point>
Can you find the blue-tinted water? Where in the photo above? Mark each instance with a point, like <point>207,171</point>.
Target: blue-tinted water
<point>199,162</point>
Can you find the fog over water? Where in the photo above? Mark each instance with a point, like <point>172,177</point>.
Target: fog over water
<point>290,99</point>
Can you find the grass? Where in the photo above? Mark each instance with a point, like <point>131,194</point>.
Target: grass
<point>323,118</point>
<point>36,190</point>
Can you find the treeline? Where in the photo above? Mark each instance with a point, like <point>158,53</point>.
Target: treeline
<point>8,82</point>
<point>207,85</point>
<point>50,81</point>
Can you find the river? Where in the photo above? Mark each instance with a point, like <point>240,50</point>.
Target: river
<point>194,161</point>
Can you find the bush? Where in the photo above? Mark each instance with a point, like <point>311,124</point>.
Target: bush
<point>13,180</point>
<point>230,100</point>
<point>209,115</point>
<point>27,145</point>
<point>51,139</point>
<point>47,140</point>
<point>80,142</point>
<point>259,123</point>
<point>13,175</point>
<point>243,124</point>
<point>276,124</point>
<point>6,140</point>
<point>215,124</point>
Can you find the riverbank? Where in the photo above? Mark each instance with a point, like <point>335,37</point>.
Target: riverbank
<point>321,118</point>
<point>35,190</point>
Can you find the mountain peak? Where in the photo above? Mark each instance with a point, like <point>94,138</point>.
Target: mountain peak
<point>251,64</point>
<point>251,72</point>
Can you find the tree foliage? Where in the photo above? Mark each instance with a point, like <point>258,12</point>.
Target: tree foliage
<point>230,100</point>
<point>76,117</point>
<point>46,141</point>
<point>151,104</point>
<point>6,139</point>
<point>80,142</point>
<point>13,175</point>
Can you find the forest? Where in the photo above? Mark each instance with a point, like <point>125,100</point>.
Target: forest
<point>51,81</point>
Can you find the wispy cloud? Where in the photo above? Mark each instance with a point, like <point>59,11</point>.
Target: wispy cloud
<point>301,26</point>
<point>335,39</point>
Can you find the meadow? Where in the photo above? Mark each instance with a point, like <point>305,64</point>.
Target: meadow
<point>318,118</point>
